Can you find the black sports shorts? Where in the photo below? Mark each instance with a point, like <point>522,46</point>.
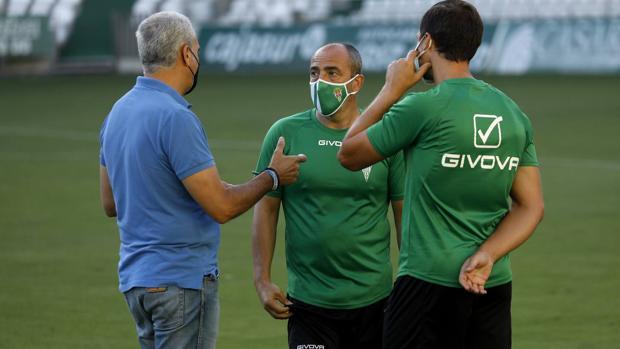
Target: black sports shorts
<point>313,327</point>
<point>420,314</point>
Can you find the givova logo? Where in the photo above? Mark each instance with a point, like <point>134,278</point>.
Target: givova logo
<point>487,131</point>
<point>485,162</point>
<point>323,143</point>
<point>487,135</point>
<point>311,346</point>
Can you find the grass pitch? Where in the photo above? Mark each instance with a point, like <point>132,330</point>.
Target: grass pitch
<point>58,252</point>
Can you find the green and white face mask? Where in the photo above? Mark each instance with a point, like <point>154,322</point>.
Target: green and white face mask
<point>328,97</point>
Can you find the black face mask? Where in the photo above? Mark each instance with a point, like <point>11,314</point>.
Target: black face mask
<point>195,75</point>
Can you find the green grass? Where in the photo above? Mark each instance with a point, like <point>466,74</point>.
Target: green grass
<point>58,252</point>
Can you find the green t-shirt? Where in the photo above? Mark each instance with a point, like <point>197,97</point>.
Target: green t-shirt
<point>337,231</point>
<point>463,141</point>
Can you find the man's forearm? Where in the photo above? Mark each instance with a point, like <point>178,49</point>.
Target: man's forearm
<point>397,209</point>
<point>356,151</point>
<point>264,225</point>
<point>263,246</point>
<point>516,227</point>
<point>240,198</point>
<point>373,113</point>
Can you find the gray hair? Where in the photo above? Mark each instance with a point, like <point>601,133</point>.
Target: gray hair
<point>159,38</point>
<point>355,59</point>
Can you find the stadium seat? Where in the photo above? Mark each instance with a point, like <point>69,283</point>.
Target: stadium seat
<point>41,7</point>
<point>172,5</point>
<point>17,8</point>
<point>143,8</point>
<point>61,19</point>
<point>61,13</point>
<point>198,11</point>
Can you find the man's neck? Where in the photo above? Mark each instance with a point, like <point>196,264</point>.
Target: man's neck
<point>445,70</point>
<point>170,78</point>
<point>344,118</point>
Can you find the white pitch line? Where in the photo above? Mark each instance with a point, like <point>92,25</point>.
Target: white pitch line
<point>254,146</point>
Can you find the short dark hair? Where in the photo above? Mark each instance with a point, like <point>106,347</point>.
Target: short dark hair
<point>456,29</point>
<point>355,58</point>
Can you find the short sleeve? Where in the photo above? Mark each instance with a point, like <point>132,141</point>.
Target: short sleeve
<point>266,151</point>
<point>101,133</point>
<point>399,127</point>
<point>185,144</point>
<point>396,176</point>
<point>529,157</point>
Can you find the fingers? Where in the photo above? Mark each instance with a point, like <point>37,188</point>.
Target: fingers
<point>274,300</point>
<point>280,146</point>
<point>474,274</point>
<point>278,308</point>
<point>476,286</point>
<point>280,297</point>
<point>472,284</point>
<point>423,69</point>
<point>411,55</point>
<point>463,277</point>
<point>302,158</point>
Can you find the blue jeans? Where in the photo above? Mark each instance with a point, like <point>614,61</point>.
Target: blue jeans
<point>173,317</point>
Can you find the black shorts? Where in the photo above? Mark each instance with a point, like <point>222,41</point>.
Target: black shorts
<point>313,327</point>
<point>420,314</point>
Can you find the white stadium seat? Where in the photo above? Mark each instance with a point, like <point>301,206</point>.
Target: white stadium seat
<point>17,8</point>
<point>61,13</point>
<point>41,7</point>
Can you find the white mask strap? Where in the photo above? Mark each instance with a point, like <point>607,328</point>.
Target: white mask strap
<point>347,89</point>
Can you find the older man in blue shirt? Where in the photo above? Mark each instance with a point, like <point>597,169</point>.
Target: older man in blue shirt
<point>158,177</point>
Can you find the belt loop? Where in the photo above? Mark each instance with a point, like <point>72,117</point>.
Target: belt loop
<point>213,277</point>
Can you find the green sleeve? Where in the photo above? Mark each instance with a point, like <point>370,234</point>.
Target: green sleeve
<point>396,180</point>
<point>529,157</point>
<point>266,151</point>
<point>400,126</point>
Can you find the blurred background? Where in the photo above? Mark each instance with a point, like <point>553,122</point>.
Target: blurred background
<point>63,63</point>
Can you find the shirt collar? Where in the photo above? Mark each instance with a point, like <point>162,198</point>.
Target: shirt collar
<point>158,85</point>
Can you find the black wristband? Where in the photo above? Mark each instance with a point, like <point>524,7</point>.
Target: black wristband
<point>274,176</point>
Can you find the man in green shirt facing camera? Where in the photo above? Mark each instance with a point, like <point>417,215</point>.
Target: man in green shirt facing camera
<point>337,231</point>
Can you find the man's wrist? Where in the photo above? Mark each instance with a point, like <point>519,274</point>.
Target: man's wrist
<point>274,177</point>
<point>390,95</point>
<point>262,280</point>
<point>484,251</point>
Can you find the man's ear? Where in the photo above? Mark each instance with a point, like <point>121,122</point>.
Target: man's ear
<point>185,54</point>
<point>358,83</point>
<point>430,44</point>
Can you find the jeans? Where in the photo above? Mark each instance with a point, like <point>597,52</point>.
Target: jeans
<point>173,317</point>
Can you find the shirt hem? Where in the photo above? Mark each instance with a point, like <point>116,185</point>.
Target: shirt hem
<point>342,306</point>
<point>157,283</point>
<point>374,145</point>
<point>445,283</point>
<point>196,169</point>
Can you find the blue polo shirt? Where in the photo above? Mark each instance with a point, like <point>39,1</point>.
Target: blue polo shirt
<point>150,142</point>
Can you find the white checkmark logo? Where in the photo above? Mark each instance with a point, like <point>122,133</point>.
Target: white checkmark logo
<point>482,135</point>
<point>485,135</point>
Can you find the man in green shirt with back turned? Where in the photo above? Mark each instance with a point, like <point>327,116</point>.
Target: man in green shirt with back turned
<point>337,231</point>
<point>473,189</point>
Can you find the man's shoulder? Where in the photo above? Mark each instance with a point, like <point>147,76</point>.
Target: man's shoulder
<point>153,103</point>
<point>424,98</point>
<point>425,104</point>
<point>293,121</point>
<point>512,106</point>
